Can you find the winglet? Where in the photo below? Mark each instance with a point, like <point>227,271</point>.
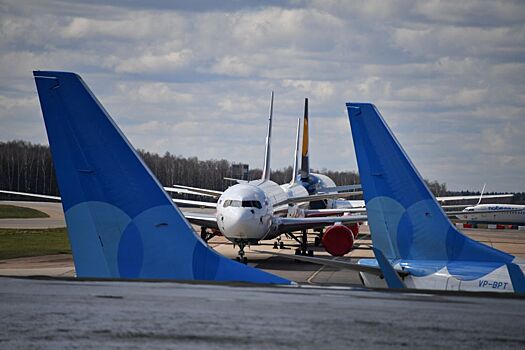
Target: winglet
<point>517,278</point>
<point>266,169</point>
<point>391,277</point>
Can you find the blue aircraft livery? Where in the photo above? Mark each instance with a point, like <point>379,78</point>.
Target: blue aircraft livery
<point>121,223</point>
<point>407,224</point>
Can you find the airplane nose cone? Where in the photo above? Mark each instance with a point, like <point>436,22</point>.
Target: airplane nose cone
<point>241,223</point>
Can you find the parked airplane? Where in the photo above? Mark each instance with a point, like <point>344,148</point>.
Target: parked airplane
<point>258,210</point>
<point>415,244</point>
<point>511,214</point>
<point>121,223</point>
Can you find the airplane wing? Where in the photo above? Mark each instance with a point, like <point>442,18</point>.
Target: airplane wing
<point>202,219</point>
<point>344,188</point>
<point>458,198</point>
<point>35,195</point>
<point>333,262</point>
<point>328,212</point>
<point>318,197</point>
<point>239,181</point>
<point>193,190</point>
<point>195,203</point>
<point>178,201</point>
<point>295,224</point>
<point>461,212</point>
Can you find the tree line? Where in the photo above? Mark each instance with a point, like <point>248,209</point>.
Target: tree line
<point>28,167</point>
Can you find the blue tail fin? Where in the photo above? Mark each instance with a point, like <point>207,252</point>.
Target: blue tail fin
<point>120,221</point>
<point>405,220</point>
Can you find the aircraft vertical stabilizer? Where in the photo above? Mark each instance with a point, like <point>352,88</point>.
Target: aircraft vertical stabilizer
<point>268,151</point>
<point>121,223</point>
<point>296,153</point>
<point>405,220</point>
<point>305,159</point>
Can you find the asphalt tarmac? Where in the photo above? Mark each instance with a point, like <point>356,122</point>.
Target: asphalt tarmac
<point>55,314</point>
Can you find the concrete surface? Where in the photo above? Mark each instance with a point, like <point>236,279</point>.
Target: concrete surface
<point>54,210</point>
<point>91,315</point>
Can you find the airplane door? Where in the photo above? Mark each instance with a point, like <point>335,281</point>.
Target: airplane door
<point>452,283</point>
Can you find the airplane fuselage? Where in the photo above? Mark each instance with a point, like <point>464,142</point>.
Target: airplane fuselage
<point>504,214</point>
<point>471,276</point>
<point>247,212</point>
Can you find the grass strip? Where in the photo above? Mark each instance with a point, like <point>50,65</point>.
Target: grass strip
<point>14,212</point>
<point>17,243</point>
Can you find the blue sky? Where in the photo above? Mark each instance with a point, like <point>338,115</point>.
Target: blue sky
<point>194,78</point>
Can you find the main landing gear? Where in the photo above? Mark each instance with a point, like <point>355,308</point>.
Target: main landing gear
<point>278,243</point>
<point>319,238</point>
<point>303,244</point>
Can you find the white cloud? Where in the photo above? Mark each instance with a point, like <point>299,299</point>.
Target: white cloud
<point>447,76</point>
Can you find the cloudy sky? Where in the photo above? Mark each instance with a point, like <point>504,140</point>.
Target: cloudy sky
<point>194,78</point>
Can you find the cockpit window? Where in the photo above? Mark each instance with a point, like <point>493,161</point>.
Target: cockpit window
<point>244,204</point>
<point>251,204</point>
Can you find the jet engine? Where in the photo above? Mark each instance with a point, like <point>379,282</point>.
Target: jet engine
<point>354,228</point>
<point>338,239</point>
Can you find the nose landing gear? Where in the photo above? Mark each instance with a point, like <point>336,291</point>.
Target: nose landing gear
<point>241,258</point>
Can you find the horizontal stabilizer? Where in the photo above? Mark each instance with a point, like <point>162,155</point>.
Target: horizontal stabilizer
<point>391,276</point>
<point>332,262</point>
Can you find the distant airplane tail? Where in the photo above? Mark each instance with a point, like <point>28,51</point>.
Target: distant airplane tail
<point>305,158</point>
<point>121,223</point>
<point>405,220</point>
<point>267,153</point>
<point>296,153</point>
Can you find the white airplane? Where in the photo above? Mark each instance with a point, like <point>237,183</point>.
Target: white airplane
<point>249,212</point>
<point>510,214</point>
<point>414,243</point>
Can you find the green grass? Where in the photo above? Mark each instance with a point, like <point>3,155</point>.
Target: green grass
<point>14,212</point>
<point>17,243</point>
